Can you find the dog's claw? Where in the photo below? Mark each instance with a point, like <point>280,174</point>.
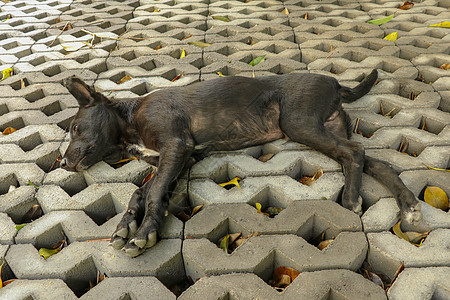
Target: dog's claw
<point>133,251</point>
<point>133,228</point>
<point>117,242</point>
<point>122,232</point>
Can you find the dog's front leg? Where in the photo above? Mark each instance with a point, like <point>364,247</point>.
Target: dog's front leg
<point>173,157</point>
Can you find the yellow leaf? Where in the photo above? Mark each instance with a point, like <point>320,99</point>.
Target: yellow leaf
<point>124,160</point>
<point>306,16</point>
<point>224,243</point>
<point>221,75</point>
<point>442,24</point>
<point>285,11</point>
<point>124,78</point>
<point>183,53</point>
<point>391,37</point>
<point>323,244</point>
<point>445,67</point>
<point>398,231</point>
<point>156,10</point>
<point>258,207</point>
<point>46,253</point>
<point>6,73</point>
<point>234,181</point>
<point>8,130</point>
<point>1,283</point>
<point>436,197</point>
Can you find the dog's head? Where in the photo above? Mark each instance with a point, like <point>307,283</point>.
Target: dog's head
<point>94,132</point>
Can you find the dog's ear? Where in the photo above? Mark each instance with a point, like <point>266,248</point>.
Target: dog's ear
<point>84,94</point>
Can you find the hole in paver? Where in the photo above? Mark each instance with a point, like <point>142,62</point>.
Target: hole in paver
<point>355,56</point>
<point>10,45</point>
<point>149,65</point>
<point>272,202</point>
<point>3,109</point>
<point>274,48</point>
<point>99,68</point>
<point>228,232</point>
<point>7,275</point>
<point>23,53</point>
<point>405,145</point>
<point>363,128</point>
<point>35,95</point>
<point>171,75</point>
<point>102,209</point>
<point>117,77</point>
<point>227,50</point>
<point>52,108</point>
<point>38,61</point>
<point>180,287</point>
<point>281,69</point>
<point>140,89</point>
<point>30,142</point>
<point>129,55</point>
<point>8,183</point>
<point>82,58</point>
<point>82,276</point>
<point>51,237</point>
<point>387,109</point>
<point>19,84</point>
<point>16,123</point>
<point>52,71</point>
<point>431,125</point>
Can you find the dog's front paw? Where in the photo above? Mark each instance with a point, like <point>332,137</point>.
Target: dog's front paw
<point>139,242</point>
<point>125,229</point>
<point>412,214</point>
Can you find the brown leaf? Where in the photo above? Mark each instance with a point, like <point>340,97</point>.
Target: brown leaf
<point>5,283</point>
<point>177,77</point>
<point>407,5</point>
<point>183,216</point>
<point>124,79</point>
<point>100,278</point>
<point>196,209</point>
<point>148,177</point>
<point>279,276</point>
<point>158,47</point>
<point>374,278</point>
<point>445,67</point>
<point>8,130</point>
<point>436,197</point>
<point>311,180</point>
<point>306,16</point>
<point>266,157</point>
<point>242,240</point>
<point>323,244</point>
<point>35,212</point>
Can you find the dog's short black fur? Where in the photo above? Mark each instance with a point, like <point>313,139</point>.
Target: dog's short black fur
<point>221,114</point>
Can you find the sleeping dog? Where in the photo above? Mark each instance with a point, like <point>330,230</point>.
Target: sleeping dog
<point>167,126</point>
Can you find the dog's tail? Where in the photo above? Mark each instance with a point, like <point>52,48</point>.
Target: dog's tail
<point>349,95</point>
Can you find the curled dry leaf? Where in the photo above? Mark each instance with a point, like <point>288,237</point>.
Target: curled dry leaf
<point>311,180</point>
<point>241,240</point>
<point>382,20</point>
<point>283,276</point>
<point>445,67</point>
<point>416,237</point>
<point>306,16</point>
<point>259,209</point>
<point>285,11</point>
<point>323,244</point>
<point>200,44</point>
<point>374,278</point>
<point>398,231</point>
<point>407,5</point>
<point>231,183</point>
<point>1,266</point>
<point>8,130</point>
<point>436,197</point>
<point>148,177</point>
<point>266,157</point>
<point>6,73</point>
<point>124,79</point>
<point>157,47</point>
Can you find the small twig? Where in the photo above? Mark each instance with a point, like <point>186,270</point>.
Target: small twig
<point>58,158</point>
<point>62,30</point>
<point>357,124</point>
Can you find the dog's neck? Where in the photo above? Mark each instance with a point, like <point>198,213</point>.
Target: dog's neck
<point>124,110</point>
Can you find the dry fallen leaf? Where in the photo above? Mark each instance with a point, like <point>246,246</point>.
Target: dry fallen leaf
<point>374,278</point>
<point>241,240</point>
<point>445,67</point>
<point>34,213</point>
<point>436,197</point>
<point>232,182</point>
<point>391,37</point>
<point>1,282</point>
<point>382,20</point>
<point>8,130</point>
<point>177,77</point>
<point>221,18</point>
<point>266,157</point>
<point>285,11</point>
<point>283,276</point>
<point>124,79</point>
<point>323,244</point>
<point>398,231</point>
<point>148,177</point>
<point>311,180</point>
<point>157,47</point>
<point>407,5</point>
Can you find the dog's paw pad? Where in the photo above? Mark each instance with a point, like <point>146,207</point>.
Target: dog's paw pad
<point>122,232</point>
<point>117,242</point>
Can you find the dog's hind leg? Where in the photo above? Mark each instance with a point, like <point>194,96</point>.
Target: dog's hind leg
<point>310,132</point>
<point>173,156</point>
<point>407,202</point>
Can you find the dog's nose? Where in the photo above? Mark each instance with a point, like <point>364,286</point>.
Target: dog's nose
<point>63,163</point>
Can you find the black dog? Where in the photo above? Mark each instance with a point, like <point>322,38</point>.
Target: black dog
<point>221,114</point>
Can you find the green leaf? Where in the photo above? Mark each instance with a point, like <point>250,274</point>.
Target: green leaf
<point>224,243</point>
<point>200,44</point>
<point>221,18</point>
<point>382,20</point>
<point>391,37</point>
<point>46,253</point>
<point>257,60</point>
<point>32,184</point>
<point>20,226</point>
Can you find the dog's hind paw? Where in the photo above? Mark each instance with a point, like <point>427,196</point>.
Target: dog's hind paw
<point>413,214</point>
